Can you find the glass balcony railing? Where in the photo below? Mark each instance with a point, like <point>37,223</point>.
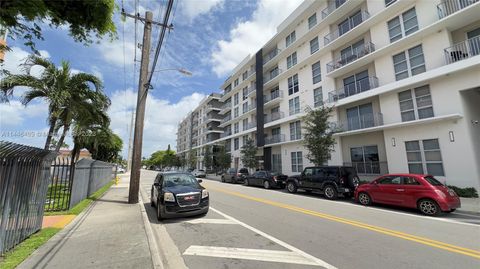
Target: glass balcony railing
<point>272,54</point>
<point>463,50</point>
<point>271,75</point>
<point>274,116</point>
<point>347,26</point>
<point>332,6</point>
<point>278,138</point>
<point>251,125</point>
<point>226,133</point>
<point>357,87</point>
<point>448,7</point>
<point>250,108</point>
<point>347,58</point>
<point>226,119</point>
<point>361,122</point>
<point>272,96</point>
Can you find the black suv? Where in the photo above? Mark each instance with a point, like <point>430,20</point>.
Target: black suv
<point>329,180</point>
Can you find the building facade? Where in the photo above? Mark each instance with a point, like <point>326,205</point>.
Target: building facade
<point>403,78</point>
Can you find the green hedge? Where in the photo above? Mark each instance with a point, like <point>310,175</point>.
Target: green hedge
<point>468,192</point>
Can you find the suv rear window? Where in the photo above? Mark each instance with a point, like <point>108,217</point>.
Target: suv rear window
<point>243,170</point>
<point>433,181</point>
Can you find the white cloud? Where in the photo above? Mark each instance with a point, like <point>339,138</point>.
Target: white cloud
<point>161,118</point>
<point>14,113</point>
<point>247,37</point>
<point>17,56</point>
<point>190,9</point>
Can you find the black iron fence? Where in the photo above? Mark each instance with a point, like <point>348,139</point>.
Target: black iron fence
<point>60,187</point>
<point>24,175</point>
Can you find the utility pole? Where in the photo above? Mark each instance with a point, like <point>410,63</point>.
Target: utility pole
<point>129,156</point>
<point>140,115</point>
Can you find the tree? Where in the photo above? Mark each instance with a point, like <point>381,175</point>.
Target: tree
<point>248,154</point>
<point>208,158</point>
<point>223,158</point>
<point>192,159</point>
<point>85,18</point>
<point>106,146</point>
<point>54,143</point>
<point>318,135</point>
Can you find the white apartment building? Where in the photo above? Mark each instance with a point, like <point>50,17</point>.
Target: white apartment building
<point>403,77</point>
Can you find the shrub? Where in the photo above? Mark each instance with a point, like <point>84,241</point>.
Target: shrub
<point>468,192</point>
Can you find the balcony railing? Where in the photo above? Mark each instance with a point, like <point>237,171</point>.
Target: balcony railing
<point>294,111</point>
<point>226,119</point>
<point>332,6</point>
<point>448,7</point>
<point>274,139</point>
<point>345,28</point>
<point>250,108</point>
<point>211,107</point>
<point>272,54</point>
<point>271,75</point>
<point>463,50</point>
<point>251,125</point>
<point>212,117</point>
<point>361,122</point>
<point>251,90</point>
<point>274,116</point>
<point>369,168</point>
<point>359,86</point>
<point>272,96</point>
<point>345,59</point>
<point>226,133</point>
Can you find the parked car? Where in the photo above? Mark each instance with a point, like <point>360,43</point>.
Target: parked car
<point>234,176</point>
<point>266,179</point>
<point>178,194</point>
<point>329,180</point>
<point>199,173</point>
<point>120,170</point>
<point>423,192</point>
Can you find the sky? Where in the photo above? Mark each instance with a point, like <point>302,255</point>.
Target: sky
<point>210,37</point>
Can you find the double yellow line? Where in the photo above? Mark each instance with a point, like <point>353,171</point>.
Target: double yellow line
<point>418,239</point>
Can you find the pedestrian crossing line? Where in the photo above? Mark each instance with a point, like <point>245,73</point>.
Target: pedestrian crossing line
<point>211,221</point>
<point>249,254</point>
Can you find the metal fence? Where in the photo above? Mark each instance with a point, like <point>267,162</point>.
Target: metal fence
<point>24,175</point>
<point>60,187</point>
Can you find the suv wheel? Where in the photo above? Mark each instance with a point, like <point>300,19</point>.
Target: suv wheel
<point>330,192</point>
<point>266,184</point>
<point>291,187</point>
<point>159,211</point>
<point>364,199</point>
<point>429,207</point>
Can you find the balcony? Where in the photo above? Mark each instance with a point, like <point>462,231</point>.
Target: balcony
<point>212,118</point>
<point>294,111</point>
<point>271,75</point>
<point>276,95</point>
<point>251,90</point>
<point>359,86</point>
<point>278,138</point>
<point>250,108</point>
<point>332,6</point>
<point>225,108</point>
<point>345,59</point>
<point>369,168</point>
<point>212,129</point>
<point>462,50</point>
<point>251,125</point>
<point>360,122</point>
<point>272,54</point>
<point>226,133</point>
<point>212,107</point>
<point>273,117</point>
<point>345,28</point>
<point>448,7</point>
<point>226,119</point>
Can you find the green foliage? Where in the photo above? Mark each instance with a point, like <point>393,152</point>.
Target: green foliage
<point>223,159</point>
<point>317,135</point>
<point>104,146</point>
<point>248,154</point>
<point>54,143</point>
<point>86,19</point>
<point>208,158</point>
<point>192,159</point>
<point>468,192</point>
<point>163,158</point>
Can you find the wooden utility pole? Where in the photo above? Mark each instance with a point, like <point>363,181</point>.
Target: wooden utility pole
<point>140,114</point>
<point>130,137</point>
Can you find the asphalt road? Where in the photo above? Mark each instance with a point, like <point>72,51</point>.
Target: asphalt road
<point>250,227</point>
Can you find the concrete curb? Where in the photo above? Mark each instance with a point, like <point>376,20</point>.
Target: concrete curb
<point>152,243</point>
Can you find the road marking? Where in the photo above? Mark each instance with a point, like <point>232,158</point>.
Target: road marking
<point>418,239</point>
<point>249,254</point>
<point>211,221</point>
<point>278,241</point>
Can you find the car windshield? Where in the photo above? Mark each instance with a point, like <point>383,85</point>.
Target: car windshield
<point>433,181</point>
<point>173,180</point>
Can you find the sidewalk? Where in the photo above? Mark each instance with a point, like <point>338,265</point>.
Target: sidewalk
<point>108,234</point>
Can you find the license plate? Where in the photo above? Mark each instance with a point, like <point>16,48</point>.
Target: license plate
<point>189,198</point>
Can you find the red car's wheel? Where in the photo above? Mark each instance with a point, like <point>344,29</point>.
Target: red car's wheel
<point>428,207</point>
<point>364,198</point>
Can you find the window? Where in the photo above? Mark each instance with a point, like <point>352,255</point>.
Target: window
<point>349,23</point>
<point>236,128</point>
<point>390,180</point>
<point>235,99</point>
<point>277,163</point>
<point>293,84</point>
<point>416,104</point>
<point>245,124</point>
<point>352,52</point>
<point>244,93</point>
<point>295,130</point>
<point>410,181</point>
<point>360,117</point>
<point>409,63</point>
<point>236,144</point>
<point>389,2</point>
<point>235,83</point>
<point>365,159</point>
<point>397,30</point>
<point>317,97</point>
<point>244,140</point>
<point>276,132</point>
<point>290,39</point>
<point>245,75</point>
<point>245,107</point>
<point>312,21</point>
<point>297,161</point>
<point>316,72</point>
<point>424,157</point>
<point>294,105</point>
<point>314,47</point>
<point>292,60</point>
<point>356,83</point>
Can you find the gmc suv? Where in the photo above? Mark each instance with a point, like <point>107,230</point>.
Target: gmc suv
<point>329,180</point>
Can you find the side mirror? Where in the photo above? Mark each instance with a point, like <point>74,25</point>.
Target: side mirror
<point>199,180</point>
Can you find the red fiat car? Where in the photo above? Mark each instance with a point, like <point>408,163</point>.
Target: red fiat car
<point>424,192</point>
